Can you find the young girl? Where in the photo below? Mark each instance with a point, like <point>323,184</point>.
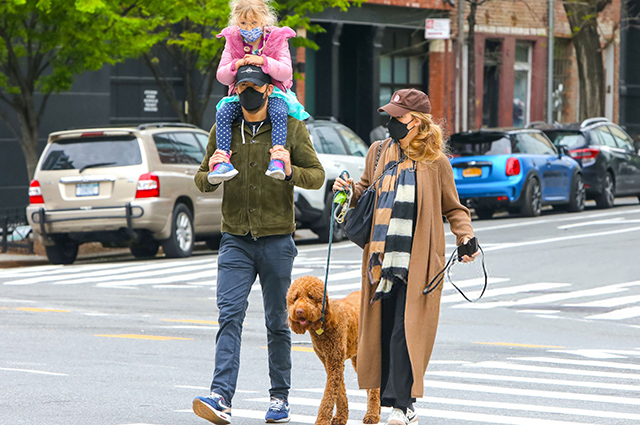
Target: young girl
<point>253,39</point>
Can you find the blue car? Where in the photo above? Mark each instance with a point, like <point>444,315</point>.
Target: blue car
<point>519,170</point>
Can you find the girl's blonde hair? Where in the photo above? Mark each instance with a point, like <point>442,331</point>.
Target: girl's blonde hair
<point>261,9</point>
<point>428,144</point>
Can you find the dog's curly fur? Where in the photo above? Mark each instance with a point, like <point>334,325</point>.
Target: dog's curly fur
<point>337,342</point>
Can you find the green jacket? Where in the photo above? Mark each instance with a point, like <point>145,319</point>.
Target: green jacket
<point>253,203</point>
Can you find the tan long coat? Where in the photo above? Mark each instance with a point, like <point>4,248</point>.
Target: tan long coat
<point>436,196</point>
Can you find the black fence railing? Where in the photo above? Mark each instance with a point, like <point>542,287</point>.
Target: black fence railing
<point>12,219</point>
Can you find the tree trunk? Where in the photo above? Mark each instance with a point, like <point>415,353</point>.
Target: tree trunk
<point>582,17</point>
<point>471,66</point>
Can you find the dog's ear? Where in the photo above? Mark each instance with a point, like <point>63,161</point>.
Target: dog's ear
<point>295,326</point>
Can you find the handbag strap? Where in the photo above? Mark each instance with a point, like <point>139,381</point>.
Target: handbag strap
<point>375,167</point>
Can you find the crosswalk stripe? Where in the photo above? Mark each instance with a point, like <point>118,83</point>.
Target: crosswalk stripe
<point>496,292</point>
<point>623,313</point>
<point>302,401</point>
<point>558,395</point>
<point>594,363</point>
<point>609,302</point>
<point>554,370</point>
<point>142,274</point>
<point>590,384</point>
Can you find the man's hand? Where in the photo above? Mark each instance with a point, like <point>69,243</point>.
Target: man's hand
<point>279,152</point>
<point>218,157</point>
<point>253,60</point>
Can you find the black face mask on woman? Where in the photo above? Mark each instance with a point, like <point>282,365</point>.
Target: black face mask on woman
<point>397,130</point>
<point>251,99</point>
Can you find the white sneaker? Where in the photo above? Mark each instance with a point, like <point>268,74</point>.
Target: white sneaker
<point>412,416</point>
<point>397,417</point>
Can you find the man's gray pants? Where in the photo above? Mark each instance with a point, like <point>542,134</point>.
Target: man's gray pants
<point>240,260</point>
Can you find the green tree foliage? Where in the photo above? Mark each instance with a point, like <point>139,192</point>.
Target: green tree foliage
<point>191,51</point>
<point>46,43</point>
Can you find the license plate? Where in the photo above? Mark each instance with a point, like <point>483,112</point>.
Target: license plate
<point>472,172</point>
<point>87,189</point>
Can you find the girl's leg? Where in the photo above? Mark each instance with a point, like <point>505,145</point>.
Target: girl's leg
<point>224,117</point>
<point>278,112</point>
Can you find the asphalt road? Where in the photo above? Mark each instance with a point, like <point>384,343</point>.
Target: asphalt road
<point>555,340</point>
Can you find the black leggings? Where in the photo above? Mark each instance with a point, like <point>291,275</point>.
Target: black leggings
<point>397,377</point>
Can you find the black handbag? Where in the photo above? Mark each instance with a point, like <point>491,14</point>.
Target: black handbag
<point>358,220</point>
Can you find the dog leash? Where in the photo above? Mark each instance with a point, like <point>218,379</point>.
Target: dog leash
<point>342,198</point>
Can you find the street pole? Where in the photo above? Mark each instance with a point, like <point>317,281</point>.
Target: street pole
<point>550,64</point>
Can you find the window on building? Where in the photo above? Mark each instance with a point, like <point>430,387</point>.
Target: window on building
<point>491,89</point>
<point>399,72</point>
<point>561,77</point>
<point>522,85</point>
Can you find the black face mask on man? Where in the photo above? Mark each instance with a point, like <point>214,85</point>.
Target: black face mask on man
<point>251,99</point>
<point>397,130</point>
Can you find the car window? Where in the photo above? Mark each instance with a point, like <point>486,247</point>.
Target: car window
<point>546,147</point>
<point>355,144</point>
<point>167,150</point>
<point>330,141</point>
<point>70,154</point>
<point>527,144</point>
<point>605,137</point>
<point>622,138</point>
<point>189,149</point>
<point>467,146</point>
<point>315,140</point>
<point>570,140</point>
<point>203,139</point>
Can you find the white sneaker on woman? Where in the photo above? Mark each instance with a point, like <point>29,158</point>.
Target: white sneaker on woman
<point>412,416</point>
<point>397,417</point>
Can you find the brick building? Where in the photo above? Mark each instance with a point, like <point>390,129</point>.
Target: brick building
<point>373,50</point>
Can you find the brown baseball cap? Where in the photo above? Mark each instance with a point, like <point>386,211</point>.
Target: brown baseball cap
<point>407,100</point>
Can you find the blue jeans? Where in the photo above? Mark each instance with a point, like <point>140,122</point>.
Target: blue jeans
<point>240,260</point>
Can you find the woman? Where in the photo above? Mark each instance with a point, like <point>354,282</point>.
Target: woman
<point>397,322</point>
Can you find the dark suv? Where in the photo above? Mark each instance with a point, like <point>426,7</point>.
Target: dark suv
<point>609,157</point>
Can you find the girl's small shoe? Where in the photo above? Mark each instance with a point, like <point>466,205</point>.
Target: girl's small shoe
<point>276,169</point>
<point>221,173</point>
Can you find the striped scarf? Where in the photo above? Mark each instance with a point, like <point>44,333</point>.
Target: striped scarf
<point>393,220</point>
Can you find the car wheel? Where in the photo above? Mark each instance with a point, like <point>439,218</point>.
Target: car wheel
<point>180,244</point>
<point>605,199</point>
<point>63,251</point>
<point>485,213</point>
<point>578,195</point>
<point>327,220</point>
<point>146,250</point>
<point>532,199</point>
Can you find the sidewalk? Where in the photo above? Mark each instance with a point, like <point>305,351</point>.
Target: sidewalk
<point>18,257</point>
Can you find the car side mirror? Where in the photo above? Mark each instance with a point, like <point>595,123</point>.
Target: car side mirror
<point>563,150</point>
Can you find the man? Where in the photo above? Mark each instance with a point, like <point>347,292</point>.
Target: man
<point>257,224</point>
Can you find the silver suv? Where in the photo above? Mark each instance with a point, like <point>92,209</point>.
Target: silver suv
<point>123,186</point>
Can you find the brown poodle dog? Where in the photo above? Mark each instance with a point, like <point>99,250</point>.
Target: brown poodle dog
<point>334,342</point>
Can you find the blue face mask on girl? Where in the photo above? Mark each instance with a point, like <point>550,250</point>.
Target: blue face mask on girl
<point>251,35</point>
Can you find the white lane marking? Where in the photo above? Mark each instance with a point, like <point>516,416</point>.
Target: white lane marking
<point>352,274</point>
<point>550,298</point>
<point>447,414</point>
<point>9,300</point>
<point>599,353</point>
<point>119,275</point>
<point>617,220</point>
<point>200,278</point>
<point>555,370</point>
<point>560,239</point>
<point>303,401</point>
<point>508,290</point>
<point>476,281</point>
<point>558,395</point>
<point>609,302</point>
<point>545,381</point>
<point>620,314</point>
<point>594,363</point>
<point>345,287</point>
<point>39,372</point>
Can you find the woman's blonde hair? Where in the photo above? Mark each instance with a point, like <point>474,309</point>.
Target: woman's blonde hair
<point>261,9</point>
<point>428,144</point>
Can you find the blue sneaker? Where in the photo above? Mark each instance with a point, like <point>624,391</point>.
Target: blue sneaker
<point>212,408</point>
<point>278,411</point>
<point>221,173</point>
<point>276,169</point>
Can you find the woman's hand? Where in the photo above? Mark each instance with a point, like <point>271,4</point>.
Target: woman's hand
<point>466,258</point>
<point>341,183</point>
<point>253,60</point>
<point>240,62</point>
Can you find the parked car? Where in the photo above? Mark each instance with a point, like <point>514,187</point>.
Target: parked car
<point>515,169</point>
<point>609,157</point>
<point>123,186</point>
<point>338,148</point>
